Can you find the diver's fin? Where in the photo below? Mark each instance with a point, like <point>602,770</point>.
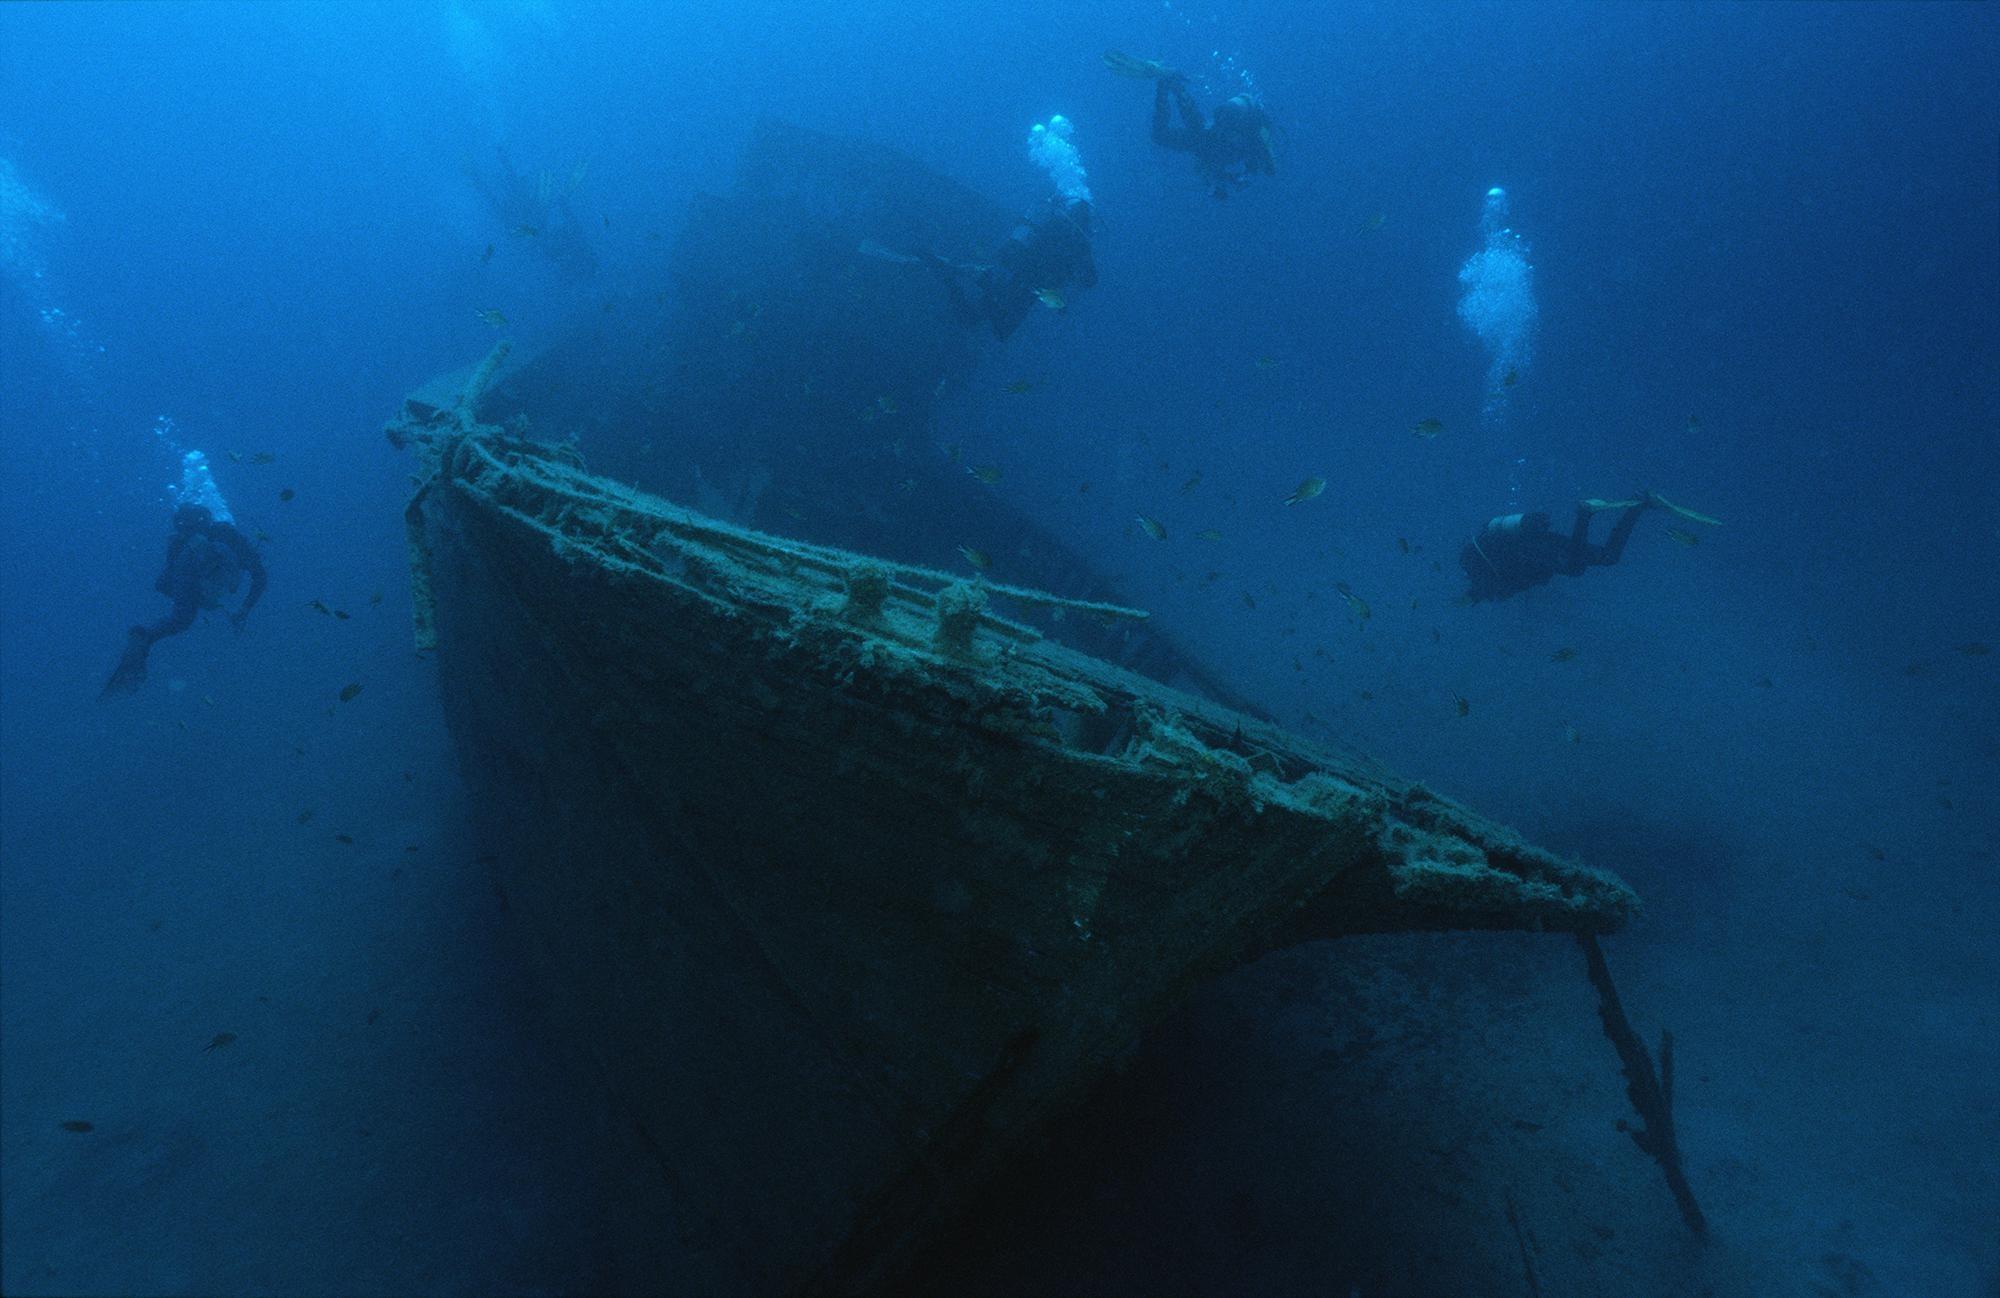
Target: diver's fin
<point>1140,69</point>
<point>1683,511</point>
<point>1596,506</point>
<point>130,673</point>
<point>870,248</point>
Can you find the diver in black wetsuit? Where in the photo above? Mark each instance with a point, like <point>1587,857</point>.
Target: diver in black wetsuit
<point>1048,252</point>
<point>1517,551</point>
<point>206,558</point>
<point>1228,148</point>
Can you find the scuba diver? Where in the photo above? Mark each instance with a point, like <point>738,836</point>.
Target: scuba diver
<point>1047,253</point>
<point>1228,148</point>
<point>1517,551</point>
<point>206,559</point>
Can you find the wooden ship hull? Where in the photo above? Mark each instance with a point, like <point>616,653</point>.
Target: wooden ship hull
<point>851,885</point>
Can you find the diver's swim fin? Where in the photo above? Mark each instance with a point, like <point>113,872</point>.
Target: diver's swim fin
<point>1683,511</point>
<point>870,248</point>
<point>130,673</point>
<point>1596,506</point>
<point>1140,69</point>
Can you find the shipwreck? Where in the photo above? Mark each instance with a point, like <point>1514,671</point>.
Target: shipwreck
<point>851,879</point>
<point>852,874</point>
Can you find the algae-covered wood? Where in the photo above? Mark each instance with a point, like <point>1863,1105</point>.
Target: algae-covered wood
<point>850,883</point>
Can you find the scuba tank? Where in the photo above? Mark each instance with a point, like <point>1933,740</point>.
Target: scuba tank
<point>1510,525</point>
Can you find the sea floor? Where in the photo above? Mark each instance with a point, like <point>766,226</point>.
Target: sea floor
<point>394,1111</point>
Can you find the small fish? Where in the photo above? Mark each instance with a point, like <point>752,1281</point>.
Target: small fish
<point>1766,683</point>
<point>1306,491</point>
<point>1694,423</point>
<point>1355,604</point>
<point>305,817</point>
<point>1403,544</point>
<point>1152,527</point>
<point>263,536</point>
<point>1463,705</point>
<point>1572,734</point>
<point>986,473</point>
<point>494,316</point>
<point>1267,363</point>
<point>977,558</point>
<point>77,1125</point>
<point>1193,481</point>
<point>1051,299</point>
<point>263,457</point>
<point>235,457</point>
<point>375,599</point>
<point>372,1016</point>
<point>1208,534</point>
<point>1562,655</point>
<point>1366,696</point>
<point>1685,538</point>
<point>344,838</point>
<point>1427,428</point>
<point>1018,386</point>
<point>1510,378</point>
<point>1249,601</point>
<point>1975,649</point>
<point>286,493</point>
<point>886,405</point>
<point>954,453</point>
<point>341,614</point>
<point>221,1039</point>
<point>1876,852</point>
<point>349,691</point>
<point>1373,223</point>
<point>319,606</point>
<point>209,699</point>
<point>526,231</point>
<point>486,256</point>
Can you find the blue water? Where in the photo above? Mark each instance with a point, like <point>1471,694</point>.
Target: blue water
<point>1765,283</point>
